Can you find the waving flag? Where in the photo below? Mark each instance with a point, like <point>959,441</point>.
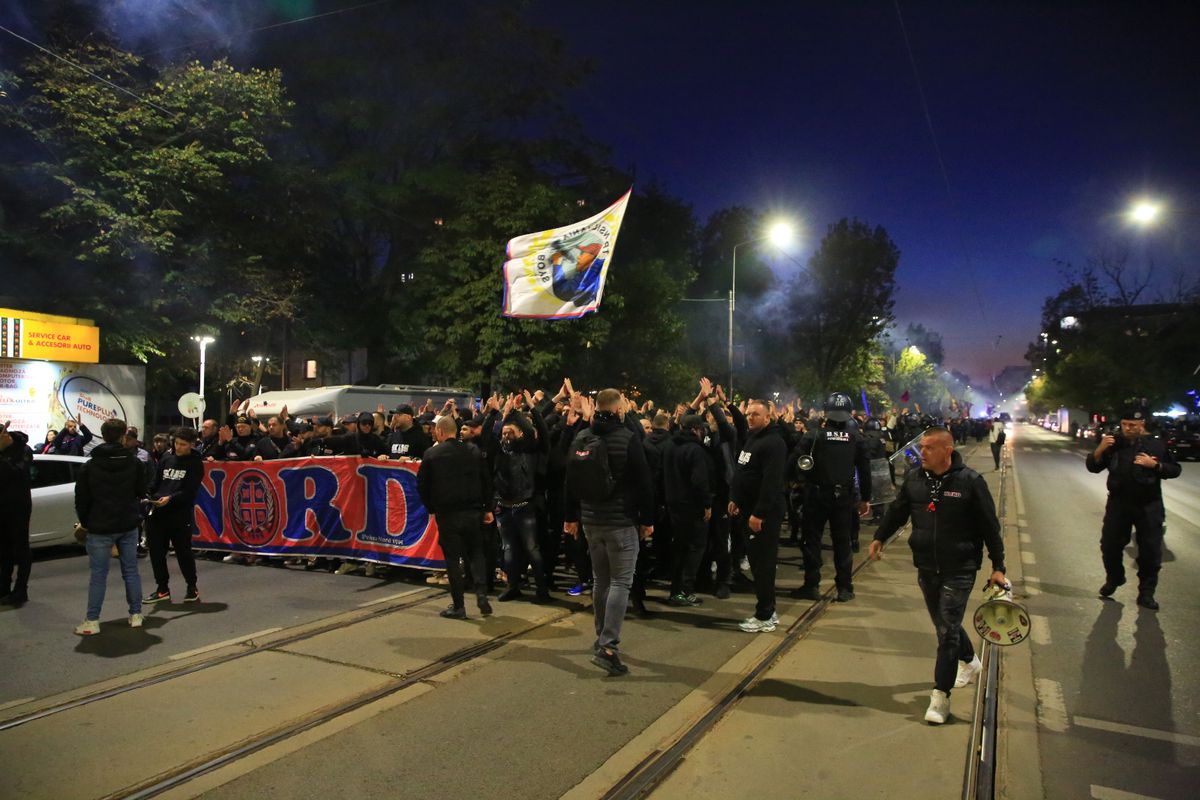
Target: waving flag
<point>559,273</point>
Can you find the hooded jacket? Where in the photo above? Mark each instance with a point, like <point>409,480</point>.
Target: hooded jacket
<point>952,515</point>
<point>686,475</point>
<point>16,462</point>
<point>108,490</point>
<point>757,487</point>
<point>178,478</point>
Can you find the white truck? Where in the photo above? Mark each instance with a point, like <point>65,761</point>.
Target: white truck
<point>337,401</point>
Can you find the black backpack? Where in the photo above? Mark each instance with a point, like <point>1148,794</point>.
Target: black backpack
<point>589,475</point>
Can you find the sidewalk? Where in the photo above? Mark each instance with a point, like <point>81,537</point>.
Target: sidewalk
<point>841,715</point>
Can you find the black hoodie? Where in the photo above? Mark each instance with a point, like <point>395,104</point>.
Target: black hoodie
<point>686,474</point>
<point>108,490</point>
<point>16,461</point>
<point>179,479</point>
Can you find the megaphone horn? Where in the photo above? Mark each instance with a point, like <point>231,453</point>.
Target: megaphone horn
<point>999,620</point>
<point>805,463</point>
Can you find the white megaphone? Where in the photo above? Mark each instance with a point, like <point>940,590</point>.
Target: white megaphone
<point>805,463</point>
<point>1000,620</point>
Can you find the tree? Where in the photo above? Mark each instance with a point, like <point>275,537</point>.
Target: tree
<point>840,305</point>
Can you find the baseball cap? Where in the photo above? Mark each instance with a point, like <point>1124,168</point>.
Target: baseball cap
<point>244,421</point>
<point>365,418</point>
<point>405,409</point>
<point>326,421</point>
<point>691,421</point>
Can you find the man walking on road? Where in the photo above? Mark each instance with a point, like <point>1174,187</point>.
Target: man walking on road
<point>609,489</point>
<point>455,485</point>
<point>1137,464</point>
<point>953,516</point>
<point>756,506</point>
<point>996,439</point>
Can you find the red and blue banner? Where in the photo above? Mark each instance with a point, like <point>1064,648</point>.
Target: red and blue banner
<point>340,507</point>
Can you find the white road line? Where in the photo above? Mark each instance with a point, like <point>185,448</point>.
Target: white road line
<point>1039,629</point>
<point>1106,793</point>
<point>219,645</point>
<point>1051,707</point>
<point>1026,538</point>
<point>379,600</point>
<point>14,703</point>
<point>1134,730</point>
<point>1028,558</point>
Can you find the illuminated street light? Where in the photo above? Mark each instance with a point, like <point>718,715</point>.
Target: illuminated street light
<point>780,235</point>
<point>1145,212</point>
<point>204,342</point>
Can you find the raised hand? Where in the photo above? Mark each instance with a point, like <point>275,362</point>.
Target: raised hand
<point>706,387</point>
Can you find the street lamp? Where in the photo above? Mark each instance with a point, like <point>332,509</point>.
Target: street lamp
<point>780,235</point>
<point>203,341</point>
<point>259,363</point>
<point>1145,212</point>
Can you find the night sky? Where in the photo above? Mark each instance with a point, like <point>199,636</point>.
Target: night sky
<point>1048,120</point>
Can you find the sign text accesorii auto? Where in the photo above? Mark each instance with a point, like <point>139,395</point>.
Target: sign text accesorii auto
<point>45,336</point>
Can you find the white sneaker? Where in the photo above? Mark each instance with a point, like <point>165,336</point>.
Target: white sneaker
<point>135,620</point>
<point>88,627</point>
<point>968,672</point>
<point>369,570</point>
<point>939,707</point>
<point>744,564</point>
<point>346,568</point>
<point>230,559</point>
<point>774,617</point>
<point>756,625</point>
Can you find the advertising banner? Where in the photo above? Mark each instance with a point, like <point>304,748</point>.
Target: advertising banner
<point>38,395</point>
<point>54,338</point>
<point>340,506</point>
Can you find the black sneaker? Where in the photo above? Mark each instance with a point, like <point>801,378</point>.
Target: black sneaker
<point>454,612</point>
<point>485,608</point>
<point>1147,601</point>
<point>609,660</point>
<point>511,593</point>
<point>192,596</point>
<point>16,599</point>
<point>806,593</point>
<point>157,597</point>
<point>845,595</point>
<point>542,598</point>
<point>681,599</point>
<point>722,592</point>
<point>1110,586</point>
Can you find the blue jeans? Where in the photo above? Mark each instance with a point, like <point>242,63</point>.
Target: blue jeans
<point>99,547</point>
<point>518,532</point>
<point>614,553</point>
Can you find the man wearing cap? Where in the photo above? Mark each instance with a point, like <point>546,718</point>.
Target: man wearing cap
<point>1137,464</point>
<point>359,439</point>
<point>239,444</point>
<point>172,504</point>
<point>838,453</point>
<point>406,440</point>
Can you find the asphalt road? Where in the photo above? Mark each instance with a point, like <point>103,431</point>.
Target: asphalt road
<point>42,656</point>
<point>1118,695</point>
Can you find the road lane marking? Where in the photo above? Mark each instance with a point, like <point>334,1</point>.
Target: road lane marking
<point>1051,707</point>
<point>379,600</point>
<point>219,645</point>
<point>1134,730</point>
<point>1026,538</point>
<point>1108,793</point>
<point>1039,629</point>
<point>1028,558</point>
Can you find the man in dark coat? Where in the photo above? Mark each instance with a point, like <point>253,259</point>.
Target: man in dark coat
<point>16,507</point>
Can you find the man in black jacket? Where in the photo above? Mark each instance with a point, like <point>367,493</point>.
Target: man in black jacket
<point>108,491</point>
<point>172,504</point>
<point>953,516</point>
<point>756,506</point>
<point>456,487</point>
<point>1137,464</point>
<point>611,516</point>
<point>517,461</point>
<point>689,499</point>
<point>16,507</point>
<point>69,441</point>
<point>407,439</point>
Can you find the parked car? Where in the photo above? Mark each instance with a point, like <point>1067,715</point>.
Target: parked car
<point>1183,440</point>
<point>53,520</point>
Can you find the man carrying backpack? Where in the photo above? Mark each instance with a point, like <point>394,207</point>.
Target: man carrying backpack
<point>609,490</point>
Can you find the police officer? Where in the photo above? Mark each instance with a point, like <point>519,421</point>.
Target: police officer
<point>1136,464</point>
<point>838,452</point>
<point>756,506</point>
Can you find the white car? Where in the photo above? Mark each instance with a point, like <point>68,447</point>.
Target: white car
<point>53,520</point>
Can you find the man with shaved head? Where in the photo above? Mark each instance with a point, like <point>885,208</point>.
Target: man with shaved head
<point>953,516</point>
<point>455,485</point>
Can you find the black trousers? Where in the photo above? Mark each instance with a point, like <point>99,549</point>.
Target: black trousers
<point>762,549</point>
<point>946,596</point>
<point>14,548</point>
<point>717,551</point>
<point>176,530</point>
<point>1121,518</point>
<point>460,534</point>
<point>820,507</point>
<point>690,533</point>
<point>996,447</point>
